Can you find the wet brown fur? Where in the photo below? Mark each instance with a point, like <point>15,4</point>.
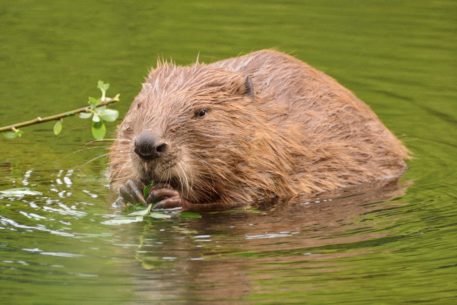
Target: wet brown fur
<point>298,135</point>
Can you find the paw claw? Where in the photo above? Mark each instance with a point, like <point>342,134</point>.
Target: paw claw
<point>132,192</point>
<point>169,203</point>
<point>157,195</point>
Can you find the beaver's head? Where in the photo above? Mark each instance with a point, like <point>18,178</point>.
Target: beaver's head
<point>191,127</point>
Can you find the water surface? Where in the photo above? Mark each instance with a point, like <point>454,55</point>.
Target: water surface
<point>55,247</point>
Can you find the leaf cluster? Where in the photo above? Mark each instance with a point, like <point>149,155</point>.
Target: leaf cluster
<point>97,111</point>
<point>99,115</point>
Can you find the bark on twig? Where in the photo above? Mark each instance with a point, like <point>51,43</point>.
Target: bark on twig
<point>55,117</point>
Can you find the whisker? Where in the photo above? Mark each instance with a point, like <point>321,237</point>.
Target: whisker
<point>185,178</point>
<point>99,141</point>
<point>181,185</point>
<point>119,178</point>
<point>92,160</point>
<point>169,176</point>
<point>84,149</point>
<point>124,165</point>
<point>182,179</point>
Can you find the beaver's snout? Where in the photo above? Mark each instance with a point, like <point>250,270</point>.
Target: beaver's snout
<point>149,146</point>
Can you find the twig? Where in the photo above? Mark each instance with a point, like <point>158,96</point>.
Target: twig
<point>55,117</point>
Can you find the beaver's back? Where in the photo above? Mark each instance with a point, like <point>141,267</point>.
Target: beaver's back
<point>333,122</point>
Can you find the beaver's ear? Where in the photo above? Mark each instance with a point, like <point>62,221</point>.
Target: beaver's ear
<point>249,87</point>
<point>232,83</point>
<point>246,87</point>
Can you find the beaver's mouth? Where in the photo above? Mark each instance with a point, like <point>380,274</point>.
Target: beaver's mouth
<point>157,174</point>
<point>170,170</point>
<point>162,173</point>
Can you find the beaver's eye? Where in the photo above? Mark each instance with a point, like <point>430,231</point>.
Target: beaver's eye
<point>201,113</point>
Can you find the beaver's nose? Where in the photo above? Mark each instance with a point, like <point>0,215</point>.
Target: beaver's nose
<point>148,146</point>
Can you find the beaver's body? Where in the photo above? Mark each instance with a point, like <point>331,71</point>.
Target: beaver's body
<point>249,130</point>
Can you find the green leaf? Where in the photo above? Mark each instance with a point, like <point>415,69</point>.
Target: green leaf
<point>85,115</point>
<point>147,190</point>
<point>157,215</point>
<point>142,212</point>
<point>96,118</point>
<point>93,101</point>
<point>98,130</point>
<point>109,115</point>
<point>16,133</point>
<point>190,215</point>
<point>9,134</point>
<point>102,86</point>
<point>58,127</point>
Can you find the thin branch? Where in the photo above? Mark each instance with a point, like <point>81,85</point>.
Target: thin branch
<point>55,117</point>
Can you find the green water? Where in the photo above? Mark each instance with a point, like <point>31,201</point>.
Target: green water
<point>398,56</point>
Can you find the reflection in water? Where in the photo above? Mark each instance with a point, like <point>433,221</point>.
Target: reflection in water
<point>218,256</point>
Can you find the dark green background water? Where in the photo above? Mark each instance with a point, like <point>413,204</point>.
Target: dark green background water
<point>398,56</point>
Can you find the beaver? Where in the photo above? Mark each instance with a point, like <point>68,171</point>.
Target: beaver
<point>251,130</point>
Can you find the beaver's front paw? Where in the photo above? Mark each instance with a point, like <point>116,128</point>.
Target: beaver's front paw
<point>167,198</point>
<point>132,191</point>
